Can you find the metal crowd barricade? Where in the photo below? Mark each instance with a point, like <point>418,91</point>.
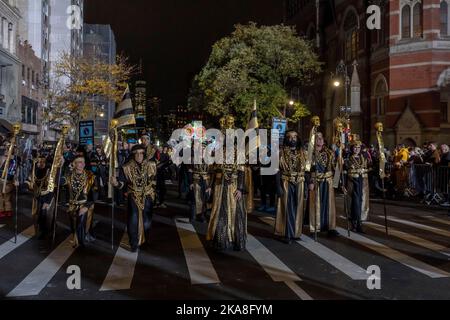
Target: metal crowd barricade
<point>431,181</point>
<point>442,183</point>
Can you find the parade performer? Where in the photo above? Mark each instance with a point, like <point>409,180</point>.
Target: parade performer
<point>322,210</point>
<point>290,190</point>
<point>200,188</point>
<point>8,169</point>
<point>37,183</point>
<point>357,186</point>
<point>138,177</point>
<point>82,188</point>
<point>151,152</point>
<point>228,223</point>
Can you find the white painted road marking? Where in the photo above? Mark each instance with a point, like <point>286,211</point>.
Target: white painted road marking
<point>398,256</point>
<point>37,280</point>
<point>121,272</point>
<point>436,219</point>
<point>8,246</point>
<point>341,263</point>
<point>277,270</point>
<point>201,270</point>
<point>441,232</point>
<point>411,238</point>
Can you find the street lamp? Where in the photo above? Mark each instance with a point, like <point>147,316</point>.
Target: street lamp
<point>342,73</point>
<point>291,103</point>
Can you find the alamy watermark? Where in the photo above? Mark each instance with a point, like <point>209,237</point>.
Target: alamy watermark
<point>232,147</point>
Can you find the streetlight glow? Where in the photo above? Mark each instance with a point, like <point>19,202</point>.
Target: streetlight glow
<point>291,103</point>
<point>336,83</point>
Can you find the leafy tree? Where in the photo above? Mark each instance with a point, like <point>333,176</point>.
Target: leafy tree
<point>77,81</point>
<point>254,62</point>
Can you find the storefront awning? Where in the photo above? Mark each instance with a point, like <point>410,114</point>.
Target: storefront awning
<point>5,126</point>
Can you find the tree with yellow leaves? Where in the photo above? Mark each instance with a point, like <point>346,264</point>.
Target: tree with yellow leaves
<point>77,81</point>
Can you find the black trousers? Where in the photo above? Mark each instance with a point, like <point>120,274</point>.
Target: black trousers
<point>133,220</point>
<point>78,225</point>
<point>268,190</point>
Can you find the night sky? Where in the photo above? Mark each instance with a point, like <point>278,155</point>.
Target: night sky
<point>174,37</point>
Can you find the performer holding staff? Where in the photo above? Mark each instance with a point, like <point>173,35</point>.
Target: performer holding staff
<point>8,167</point>
<point>82,194</point>
<point>322,208</point>
<point>227,227</point>
<point>290,190</point>
<point>37,184</point>
<point>199,177</point>
<point>357,186</point>
<point>138,176</point>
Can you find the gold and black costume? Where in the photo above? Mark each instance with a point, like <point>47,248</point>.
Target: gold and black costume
<point>6,198</point>
<point>322,208</point>
<point>199,176</point>
<point>357,189</point>
<point>228,224</point>
<point>82,194</point>
<point>151,153</point>
<point>41,202</point>
<point>291,184</point>
<point>139,181</point>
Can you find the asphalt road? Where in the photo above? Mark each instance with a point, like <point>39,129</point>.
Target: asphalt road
<point>413,260</point>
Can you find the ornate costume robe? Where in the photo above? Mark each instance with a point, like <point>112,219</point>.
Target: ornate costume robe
<point>291,180</point>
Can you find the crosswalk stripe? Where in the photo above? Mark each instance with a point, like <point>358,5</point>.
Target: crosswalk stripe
<point>439,220</point>
<point>273,266</point>
<point>411,238</point>
<point>36,281</point>
<point>201,270</point>
<point>277,270</point>
<point>121,272</point>
<point>419,226</point>
<point>341,263</point>
<point>10,245</point>
<point>1,226</point>
<point>298,291</point>
<point>395,255</point>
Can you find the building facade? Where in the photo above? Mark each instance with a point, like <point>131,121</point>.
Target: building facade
<point>140,105</point>
<point>34,27</point>
<point>32,91</point>
<point>65,36</point>
<point>99,44</point>
<point>9,64</point>
<point>401,71</point>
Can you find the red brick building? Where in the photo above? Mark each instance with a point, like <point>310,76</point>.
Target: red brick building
<point>403,70</point>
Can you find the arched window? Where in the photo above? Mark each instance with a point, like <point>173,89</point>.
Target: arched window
<point>406,22</point>
<point>351,37</point>
<point>417,20</point>
<point>444,18</point>
<point>380,96</point>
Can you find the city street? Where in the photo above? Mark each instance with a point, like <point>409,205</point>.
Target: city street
<point>414,260</point>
